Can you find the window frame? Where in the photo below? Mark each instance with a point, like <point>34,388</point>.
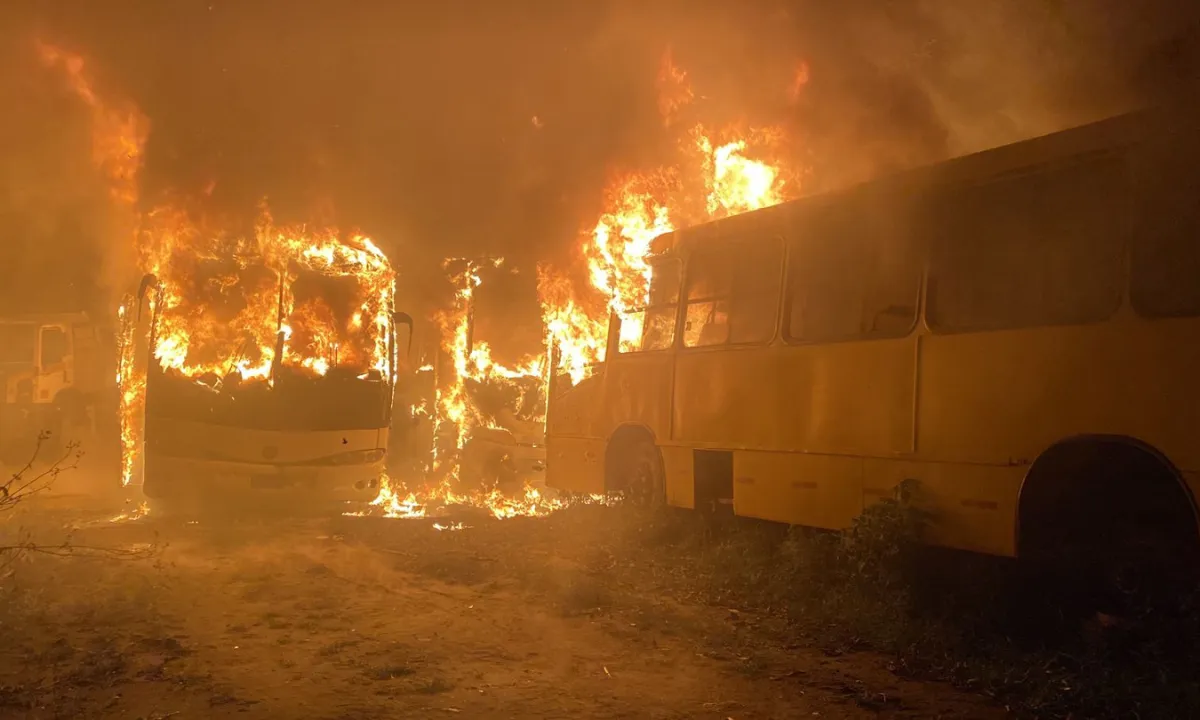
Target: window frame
<point>1123,261</point>
<point>921,274</point>
<point>671,259</point>
<point>780,293</point>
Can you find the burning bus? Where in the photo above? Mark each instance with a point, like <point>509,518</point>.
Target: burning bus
<point>259,368</point>
<point>485,418</point>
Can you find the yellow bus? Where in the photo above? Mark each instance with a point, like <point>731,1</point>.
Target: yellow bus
<point>301,438</point>
<point>1018,331</point>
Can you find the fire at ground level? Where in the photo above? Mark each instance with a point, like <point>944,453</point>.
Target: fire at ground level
<point>573,615</point>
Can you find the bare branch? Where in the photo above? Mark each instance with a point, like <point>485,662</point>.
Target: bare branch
<point>26,482</point>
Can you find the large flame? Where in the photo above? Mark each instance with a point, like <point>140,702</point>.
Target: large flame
<point>456,410</point>
<point>232,306</point>
<point>118,132</point>
<point>732,171</point>
<point>228,304</point>
<point>222,298</point>
<point>457,414</point>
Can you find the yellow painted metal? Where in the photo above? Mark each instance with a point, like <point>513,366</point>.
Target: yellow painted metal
<point>818,431</point>
<point>575,464</point>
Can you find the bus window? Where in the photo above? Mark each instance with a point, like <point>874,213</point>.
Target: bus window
<point>852,282</point>
<point>1165,257</point>
<point>706,320</point>
<point>755,300</point>
<point>653,328</point>
<point>733,294</point>
<point>1032,250</point>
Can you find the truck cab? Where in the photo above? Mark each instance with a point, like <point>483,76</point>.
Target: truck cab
<point>53,376</point>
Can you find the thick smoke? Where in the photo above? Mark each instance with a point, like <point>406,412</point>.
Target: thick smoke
<point>895,83</point>
<point>55,214</point>
<point>455,128</point>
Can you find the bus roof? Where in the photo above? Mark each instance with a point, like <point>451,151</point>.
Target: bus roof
<point>1111,133</point>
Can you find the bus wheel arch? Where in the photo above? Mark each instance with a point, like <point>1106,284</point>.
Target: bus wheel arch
<point>1104,508</point>
<point>633,465</point>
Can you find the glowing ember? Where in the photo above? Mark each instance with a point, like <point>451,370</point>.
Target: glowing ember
<point>398,502</point>
<point>141,511</point>
<point>451,526</point>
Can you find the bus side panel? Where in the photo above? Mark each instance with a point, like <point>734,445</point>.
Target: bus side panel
<point>638,392</point>
<point>186,438</point>
<point>1004,397</point>
<point>824,491</point>
<point>574,411</point>
<point>575,464</point>
<point>852,398</point>
<point>728,397</point>
<point>970,507</point>
<point>678,468</point>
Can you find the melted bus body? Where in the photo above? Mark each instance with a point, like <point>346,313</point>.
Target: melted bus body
<point>1018,331</point>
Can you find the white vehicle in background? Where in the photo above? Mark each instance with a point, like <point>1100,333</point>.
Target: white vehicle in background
<point>56,377</point>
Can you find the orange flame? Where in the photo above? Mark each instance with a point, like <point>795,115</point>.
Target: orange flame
<point>222,300</point>
<point>118,135</point>
<point>739,174</point>
<point>674,91</point>
<point>399,502</point>
<point>456,411</point>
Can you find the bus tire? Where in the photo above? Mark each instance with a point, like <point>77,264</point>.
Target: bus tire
<point>634,467</point>
<point>1106,527</point>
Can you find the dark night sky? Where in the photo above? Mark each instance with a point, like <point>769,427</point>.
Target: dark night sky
<point>413,120</point>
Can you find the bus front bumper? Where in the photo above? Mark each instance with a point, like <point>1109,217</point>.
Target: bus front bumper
<point>168,476</point>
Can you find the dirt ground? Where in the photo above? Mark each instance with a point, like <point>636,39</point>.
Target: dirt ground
<point>346,618</point>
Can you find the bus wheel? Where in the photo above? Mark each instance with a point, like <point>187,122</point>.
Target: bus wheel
<point>635,469</point>
<point>1107,530</point>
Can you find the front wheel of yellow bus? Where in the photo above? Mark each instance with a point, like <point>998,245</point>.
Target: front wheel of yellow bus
<point>634,468</point>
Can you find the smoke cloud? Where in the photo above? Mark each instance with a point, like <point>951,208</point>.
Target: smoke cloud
<point>456,128</point>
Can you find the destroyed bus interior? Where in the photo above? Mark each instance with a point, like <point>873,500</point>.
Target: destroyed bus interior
<point>267,366</point>
<point>326,382</point>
